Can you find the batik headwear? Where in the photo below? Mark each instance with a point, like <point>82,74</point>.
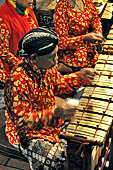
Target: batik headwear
<point>41,41</point>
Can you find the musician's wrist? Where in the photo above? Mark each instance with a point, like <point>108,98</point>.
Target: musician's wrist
<point>83,81</point>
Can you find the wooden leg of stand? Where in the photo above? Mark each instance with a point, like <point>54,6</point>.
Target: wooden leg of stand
<point>111,156</point>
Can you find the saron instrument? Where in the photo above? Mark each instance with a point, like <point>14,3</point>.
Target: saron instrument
<point>108,44</point>
<point>92,121</point>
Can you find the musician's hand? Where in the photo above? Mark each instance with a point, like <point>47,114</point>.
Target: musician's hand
<point>93,37</point>
<point>87,74</point>
<point>63,109</point>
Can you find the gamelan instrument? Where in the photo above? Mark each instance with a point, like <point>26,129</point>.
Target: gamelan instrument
<point>108,47</point>
<point>92,121</point>
<point>108,44</point>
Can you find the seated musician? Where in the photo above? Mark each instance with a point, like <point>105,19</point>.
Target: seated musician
<point>33,120</point>
<point>79,29</point>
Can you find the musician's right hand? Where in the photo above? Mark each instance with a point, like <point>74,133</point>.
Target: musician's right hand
<point>93,37</point>
<point>87,74</point>
<point>63,109</point>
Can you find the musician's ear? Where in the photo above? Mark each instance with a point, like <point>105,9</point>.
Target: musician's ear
<point>33,57</point>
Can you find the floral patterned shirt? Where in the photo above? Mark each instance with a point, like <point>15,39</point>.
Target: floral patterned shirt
<point>13,27</point>
<point>70,25</point>
<point>30,99</point>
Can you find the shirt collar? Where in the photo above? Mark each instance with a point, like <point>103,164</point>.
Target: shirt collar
<point>18,9</point>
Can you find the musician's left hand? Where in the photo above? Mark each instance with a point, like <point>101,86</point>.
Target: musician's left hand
<point>87,74</point>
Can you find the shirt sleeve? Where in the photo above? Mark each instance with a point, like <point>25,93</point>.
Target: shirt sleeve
<point>5,55</point>
<point>62,28</point>
<point>67,83</point>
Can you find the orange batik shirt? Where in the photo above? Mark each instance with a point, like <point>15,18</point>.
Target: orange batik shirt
<point>30,101</point>
<point>13,26</point>
<point>70,25</point>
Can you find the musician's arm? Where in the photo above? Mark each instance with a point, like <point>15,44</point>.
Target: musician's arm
<point>5,54</point>
<point>65,84</point>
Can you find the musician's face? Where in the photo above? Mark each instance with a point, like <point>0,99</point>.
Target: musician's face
<point>25,3</point>
<point>46,61</point>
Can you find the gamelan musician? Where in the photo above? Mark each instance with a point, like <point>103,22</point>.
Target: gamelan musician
<point>34,121</point>
<point>79,29</point>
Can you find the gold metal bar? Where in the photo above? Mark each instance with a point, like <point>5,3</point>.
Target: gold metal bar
<point>93,103</point>
<point>90,122</point>
<point>94,125</point>
<point>92,117</point>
